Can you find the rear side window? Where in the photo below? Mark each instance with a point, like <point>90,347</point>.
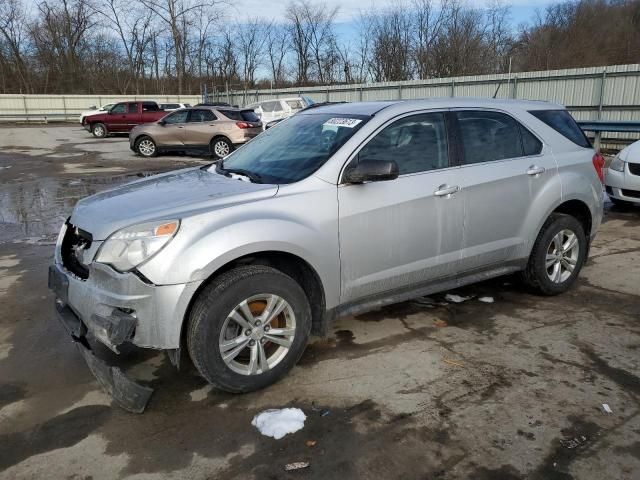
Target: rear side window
<point>295,104</point>
<point>243,115</point>
<point>133,108</point>
<point>489,136</point>
<point>563,123</point>
<point>201,116</point>
<point>530,144</point>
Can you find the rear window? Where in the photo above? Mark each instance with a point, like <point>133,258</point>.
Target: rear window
<point>563,123</point>
<point>243,115</point>
<point>150,107</point>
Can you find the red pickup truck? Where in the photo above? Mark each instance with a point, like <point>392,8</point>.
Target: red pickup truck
<point>123,117</point>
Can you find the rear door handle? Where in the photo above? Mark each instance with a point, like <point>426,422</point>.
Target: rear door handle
<point>535,170</point>
<point>445,190</point>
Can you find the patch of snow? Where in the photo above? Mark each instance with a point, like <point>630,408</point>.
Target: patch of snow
<point>486,299</point>
<point>278,423</point>
<point>451,297</point>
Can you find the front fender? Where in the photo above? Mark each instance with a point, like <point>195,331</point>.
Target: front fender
<point>209,241</point>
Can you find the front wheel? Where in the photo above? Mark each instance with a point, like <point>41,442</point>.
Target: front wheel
<point>557,256</point>
<point>99,130</point>
<point>248,328</point>
<point>146,147</point>
<point>221,147</point>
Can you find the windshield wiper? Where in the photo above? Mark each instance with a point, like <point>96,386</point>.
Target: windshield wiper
<point>254,177</point>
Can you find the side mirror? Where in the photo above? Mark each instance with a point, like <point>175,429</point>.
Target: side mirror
<point>371,171</point>
<point>162,122</point>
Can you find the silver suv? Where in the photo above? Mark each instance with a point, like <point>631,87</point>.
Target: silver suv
<point>338,210</point>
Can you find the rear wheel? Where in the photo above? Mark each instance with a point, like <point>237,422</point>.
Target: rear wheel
<point>146,147</point>
<point>221,147</point>
<point>557,256</point>
<point>99,130</point>
<point>248,328</point>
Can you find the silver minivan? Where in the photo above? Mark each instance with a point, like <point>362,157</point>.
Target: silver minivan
<point>341,209</point>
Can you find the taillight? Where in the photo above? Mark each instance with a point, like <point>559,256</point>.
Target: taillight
<point>243,125</point>
<point>598,164</point>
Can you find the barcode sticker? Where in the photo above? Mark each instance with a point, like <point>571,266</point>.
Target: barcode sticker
<point>343,122</point>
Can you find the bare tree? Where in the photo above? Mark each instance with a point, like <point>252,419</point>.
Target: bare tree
<point>391,44</point>
<point>13,23</point>
<point>429,21</point>
<point>312,38</point>
<point>60,37</point>
<point>133,27</point>
<point>179,16</point>
<point>277,48</point>
<point>250,49</point>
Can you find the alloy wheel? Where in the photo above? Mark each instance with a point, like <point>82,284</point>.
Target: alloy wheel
<point>257,334</point>
<point>146,147</point>
<point>221,148</point>
<point>562,256</point>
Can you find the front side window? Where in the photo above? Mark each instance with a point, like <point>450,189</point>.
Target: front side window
<point>119,108</point>
<point>198,116</point>
<point>295,149</point>
<point>488,136</point>
<point>417,143</point>
<point>178,117</point>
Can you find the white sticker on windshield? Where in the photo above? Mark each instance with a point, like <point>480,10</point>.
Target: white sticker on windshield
<point>343,122</point>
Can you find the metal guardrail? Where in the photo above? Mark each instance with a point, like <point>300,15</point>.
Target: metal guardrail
<point>39,117</point>
<point>599,126</point>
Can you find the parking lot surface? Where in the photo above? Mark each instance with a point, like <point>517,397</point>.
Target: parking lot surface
<point>424,389</point>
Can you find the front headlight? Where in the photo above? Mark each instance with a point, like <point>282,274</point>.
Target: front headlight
<point>617,164</point>
<point>131,246</point>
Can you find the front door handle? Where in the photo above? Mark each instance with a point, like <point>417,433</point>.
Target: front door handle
<point>535,170</point>
<point>446,190</point>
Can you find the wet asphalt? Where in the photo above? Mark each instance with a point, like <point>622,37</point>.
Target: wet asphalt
<point>426,389</point>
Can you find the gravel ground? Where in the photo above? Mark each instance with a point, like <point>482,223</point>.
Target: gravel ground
<point>504,390</point>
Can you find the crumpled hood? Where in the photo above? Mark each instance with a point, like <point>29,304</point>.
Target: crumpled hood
<point>166,196</point>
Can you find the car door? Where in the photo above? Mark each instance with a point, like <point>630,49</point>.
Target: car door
<point>117,117</point>
<point>172,131</point>
<point>200,128</point>
<point>400,234</point>
<point>502,172</point>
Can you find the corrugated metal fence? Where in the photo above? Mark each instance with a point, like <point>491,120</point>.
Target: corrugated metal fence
<point>597,93</point>
<point>68,107</point>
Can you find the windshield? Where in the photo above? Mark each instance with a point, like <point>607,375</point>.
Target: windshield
<point>294,149</point>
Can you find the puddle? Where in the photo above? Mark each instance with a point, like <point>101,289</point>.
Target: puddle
<point>32,211</point>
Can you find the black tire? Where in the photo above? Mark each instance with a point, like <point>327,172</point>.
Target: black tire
<point>146,147</point>
<point>224,145</point>
<point>99,130</point>
<point>621,203</point>
<point>217,300</point>
<point>536,275</point>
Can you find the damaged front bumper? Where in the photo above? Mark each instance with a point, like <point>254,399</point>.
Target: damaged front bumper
<point>128,394</point>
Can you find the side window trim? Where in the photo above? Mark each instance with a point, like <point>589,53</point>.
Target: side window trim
<point>460,146</point>
<point>354,154</point>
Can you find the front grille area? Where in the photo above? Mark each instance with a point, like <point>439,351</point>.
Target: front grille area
<point>74,243</point>
<point>631,193</point>
<point>634,168</point>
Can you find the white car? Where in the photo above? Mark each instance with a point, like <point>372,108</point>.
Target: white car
<point>94,111</point>
<point>269,110</point>
<point>170,107</point>
<point>622,178</point>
